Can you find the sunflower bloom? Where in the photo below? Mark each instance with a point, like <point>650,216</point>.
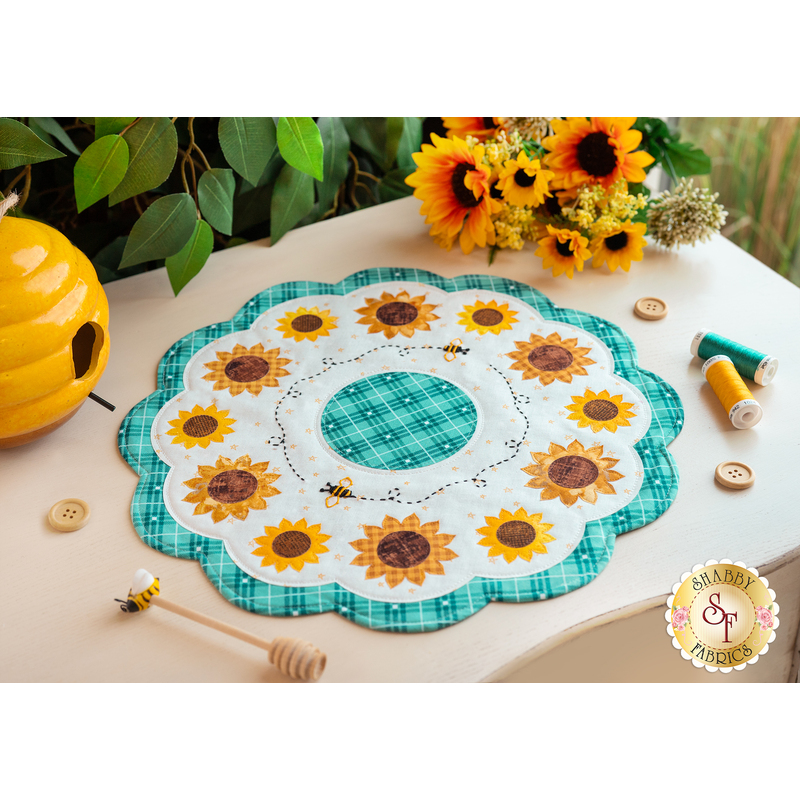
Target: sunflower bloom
<point>454,188</point>
<point>479,127</point>
<point>619,247</point>
<point>563,251</point>
<point>523,182</point>
<point>597,150</point>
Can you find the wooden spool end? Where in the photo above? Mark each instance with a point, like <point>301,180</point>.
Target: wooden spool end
<point>297,659</point>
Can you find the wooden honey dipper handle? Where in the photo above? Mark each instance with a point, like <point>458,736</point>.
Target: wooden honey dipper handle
<point>293,657</point>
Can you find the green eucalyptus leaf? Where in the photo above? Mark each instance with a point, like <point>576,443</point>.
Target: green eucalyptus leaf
<point>247,144</point>
<point>300,143</point>
<point>369,133</point>
<point>103,126</point>
<point>50,126</point>
<point>215,198</point>
<point>336,144</point>
<point>410,142</point>
<point>191,258</point>
<point>686,159</point>
<point>161,231</point>
<point>292,199</point>
<point>99,170</point>
<point>153,143</point>
<point>19,145</point>
<point>393,185</point>
<point>394,133</point>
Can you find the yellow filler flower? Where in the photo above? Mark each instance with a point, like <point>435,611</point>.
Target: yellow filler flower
<point>523,182</point>
<point>454,187</point>
<point>619,247</point>
<point>563,251</point>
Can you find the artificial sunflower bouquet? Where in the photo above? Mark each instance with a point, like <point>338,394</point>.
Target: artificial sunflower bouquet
<point>574,186</point>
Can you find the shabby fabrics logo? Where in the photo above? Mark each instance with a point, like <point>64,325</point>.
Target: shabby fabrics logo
<point>722,615</point>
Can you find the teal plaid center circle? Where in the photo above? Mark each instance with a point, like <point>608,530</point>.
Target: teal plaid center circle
<point>398,420</point>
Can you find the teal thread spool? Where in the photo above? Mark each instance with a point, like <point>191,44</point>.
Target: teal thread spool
<point>749,363</point>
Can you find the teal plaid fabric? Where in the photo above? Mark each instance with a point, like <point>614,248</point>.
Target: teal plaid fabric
<point>399,420</point>
<point>159,530</point>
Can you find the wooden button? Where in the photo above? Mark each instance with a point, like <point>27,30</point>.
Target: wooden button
<point>69,515</point>
<point>651,308</point>
<point>735,475</point>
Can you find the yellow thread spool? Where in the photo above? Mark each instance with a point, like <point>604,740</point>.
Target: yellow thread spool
<point>739,404</point>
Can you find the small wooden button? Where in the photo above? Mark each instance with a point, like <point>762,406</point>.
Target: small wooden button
<point>735,475</point>
<point>69,515</point>
<point>651,308</point>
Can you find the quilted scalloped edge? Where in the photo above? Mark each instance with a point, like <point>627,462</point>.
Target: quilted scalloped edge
<point>589,558</point>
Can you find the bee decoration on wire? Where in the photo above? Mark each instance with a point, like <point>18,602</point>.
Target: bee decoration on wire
<point>337,492</point>
<point>452,349</point>
<point>143,589</point>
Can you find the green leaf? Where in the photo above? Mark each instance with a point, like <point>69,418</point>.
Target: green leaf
<point>215,197</point>
<point>19,145</point>
<point>247,143</point>
<point>369,133</point>
<point>251,208</point>
<point>292,199</point>
<point>103,126</point>
<point>336,144</point>
<point>300,143</point>
<point>161,231</point>
<point>393,185</point>
<point>87,120</point>
<point>191,258</point>
<point>49,126</point>
<point>99,170</point>
<point>410,142</point>
<point>638,188</point>
<point>394,132</point>
<point>153,143</point>
<point>686,159</point>
<point>235,242</point>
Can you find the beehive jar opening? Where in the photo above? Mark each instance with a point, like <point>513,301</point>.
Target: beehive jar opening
<point>86,346</point>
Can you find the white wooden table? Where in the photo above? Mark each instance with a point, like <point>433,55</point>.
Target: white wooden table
<point>59,621</point>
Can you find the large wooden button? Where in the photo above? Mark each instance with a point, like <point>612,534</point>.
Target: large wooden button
<point>69,515</point>
<point>651,308</point>
<point>735,475</point>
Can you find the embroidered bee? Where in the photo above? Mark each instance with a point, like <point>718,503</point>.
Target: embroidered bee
<point>452,349</point>
<point>140,600</point>
<point>337,492</point>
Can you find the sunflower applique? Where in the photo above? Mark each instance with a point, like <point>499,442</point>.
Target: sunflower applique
<point>599,411</point>
<point>291,544</point>
<point>306,324</point>
<point>572,473</point>
<point>517,535</point>
<point>244,369</point>
<point>487,317</point>
<point>200,426</point>
<point>400,313</point>
<point>231,488</point>
<point>404,550</point>
<point>550,359</point>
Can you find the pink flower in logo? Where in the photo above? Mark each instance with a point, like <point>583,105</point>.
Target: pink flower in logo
<point>680,617</point>
<point>764,617</point>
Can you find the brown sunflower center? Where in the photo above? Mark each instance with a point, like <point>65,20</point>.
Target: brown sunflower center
<point>246,369</point>
<point>573,472</point>
<point>232,486</point>
<point>552,205</point>
<point>403,549</point>
<point>550,358</point>
<point>306,323</point>
<point>397,313</point>
<point>487,317</point>
<point>601,410</point>
<point>516,533</point>
<point>201,425</point>
<point>595,155</point>
<point>488,122</point>
<point>618,241</point>
<point>521,178</point>
<point>563,249</point>
<point>464,196</point>
<point>291,544</point>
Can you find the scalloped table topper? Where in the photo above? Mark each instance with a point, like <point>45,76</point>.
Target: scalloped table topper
<point>400,448</point>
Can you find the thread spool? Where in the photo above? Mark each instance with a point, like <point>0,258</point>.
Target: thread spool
<point>749,363</point>
<point>741,407</point>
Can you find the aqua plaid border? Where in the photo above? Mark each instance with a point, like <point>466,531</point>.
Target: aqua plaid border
<point>159,530</point>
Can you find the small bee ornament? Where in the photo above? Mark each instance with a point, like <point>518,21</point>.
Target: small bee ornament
<point>337,492</point>
<point>144,587</point>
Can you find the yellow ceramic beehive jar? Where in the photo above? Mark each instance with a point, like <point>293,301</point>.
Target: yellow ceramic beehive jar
<point>53,330</point>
